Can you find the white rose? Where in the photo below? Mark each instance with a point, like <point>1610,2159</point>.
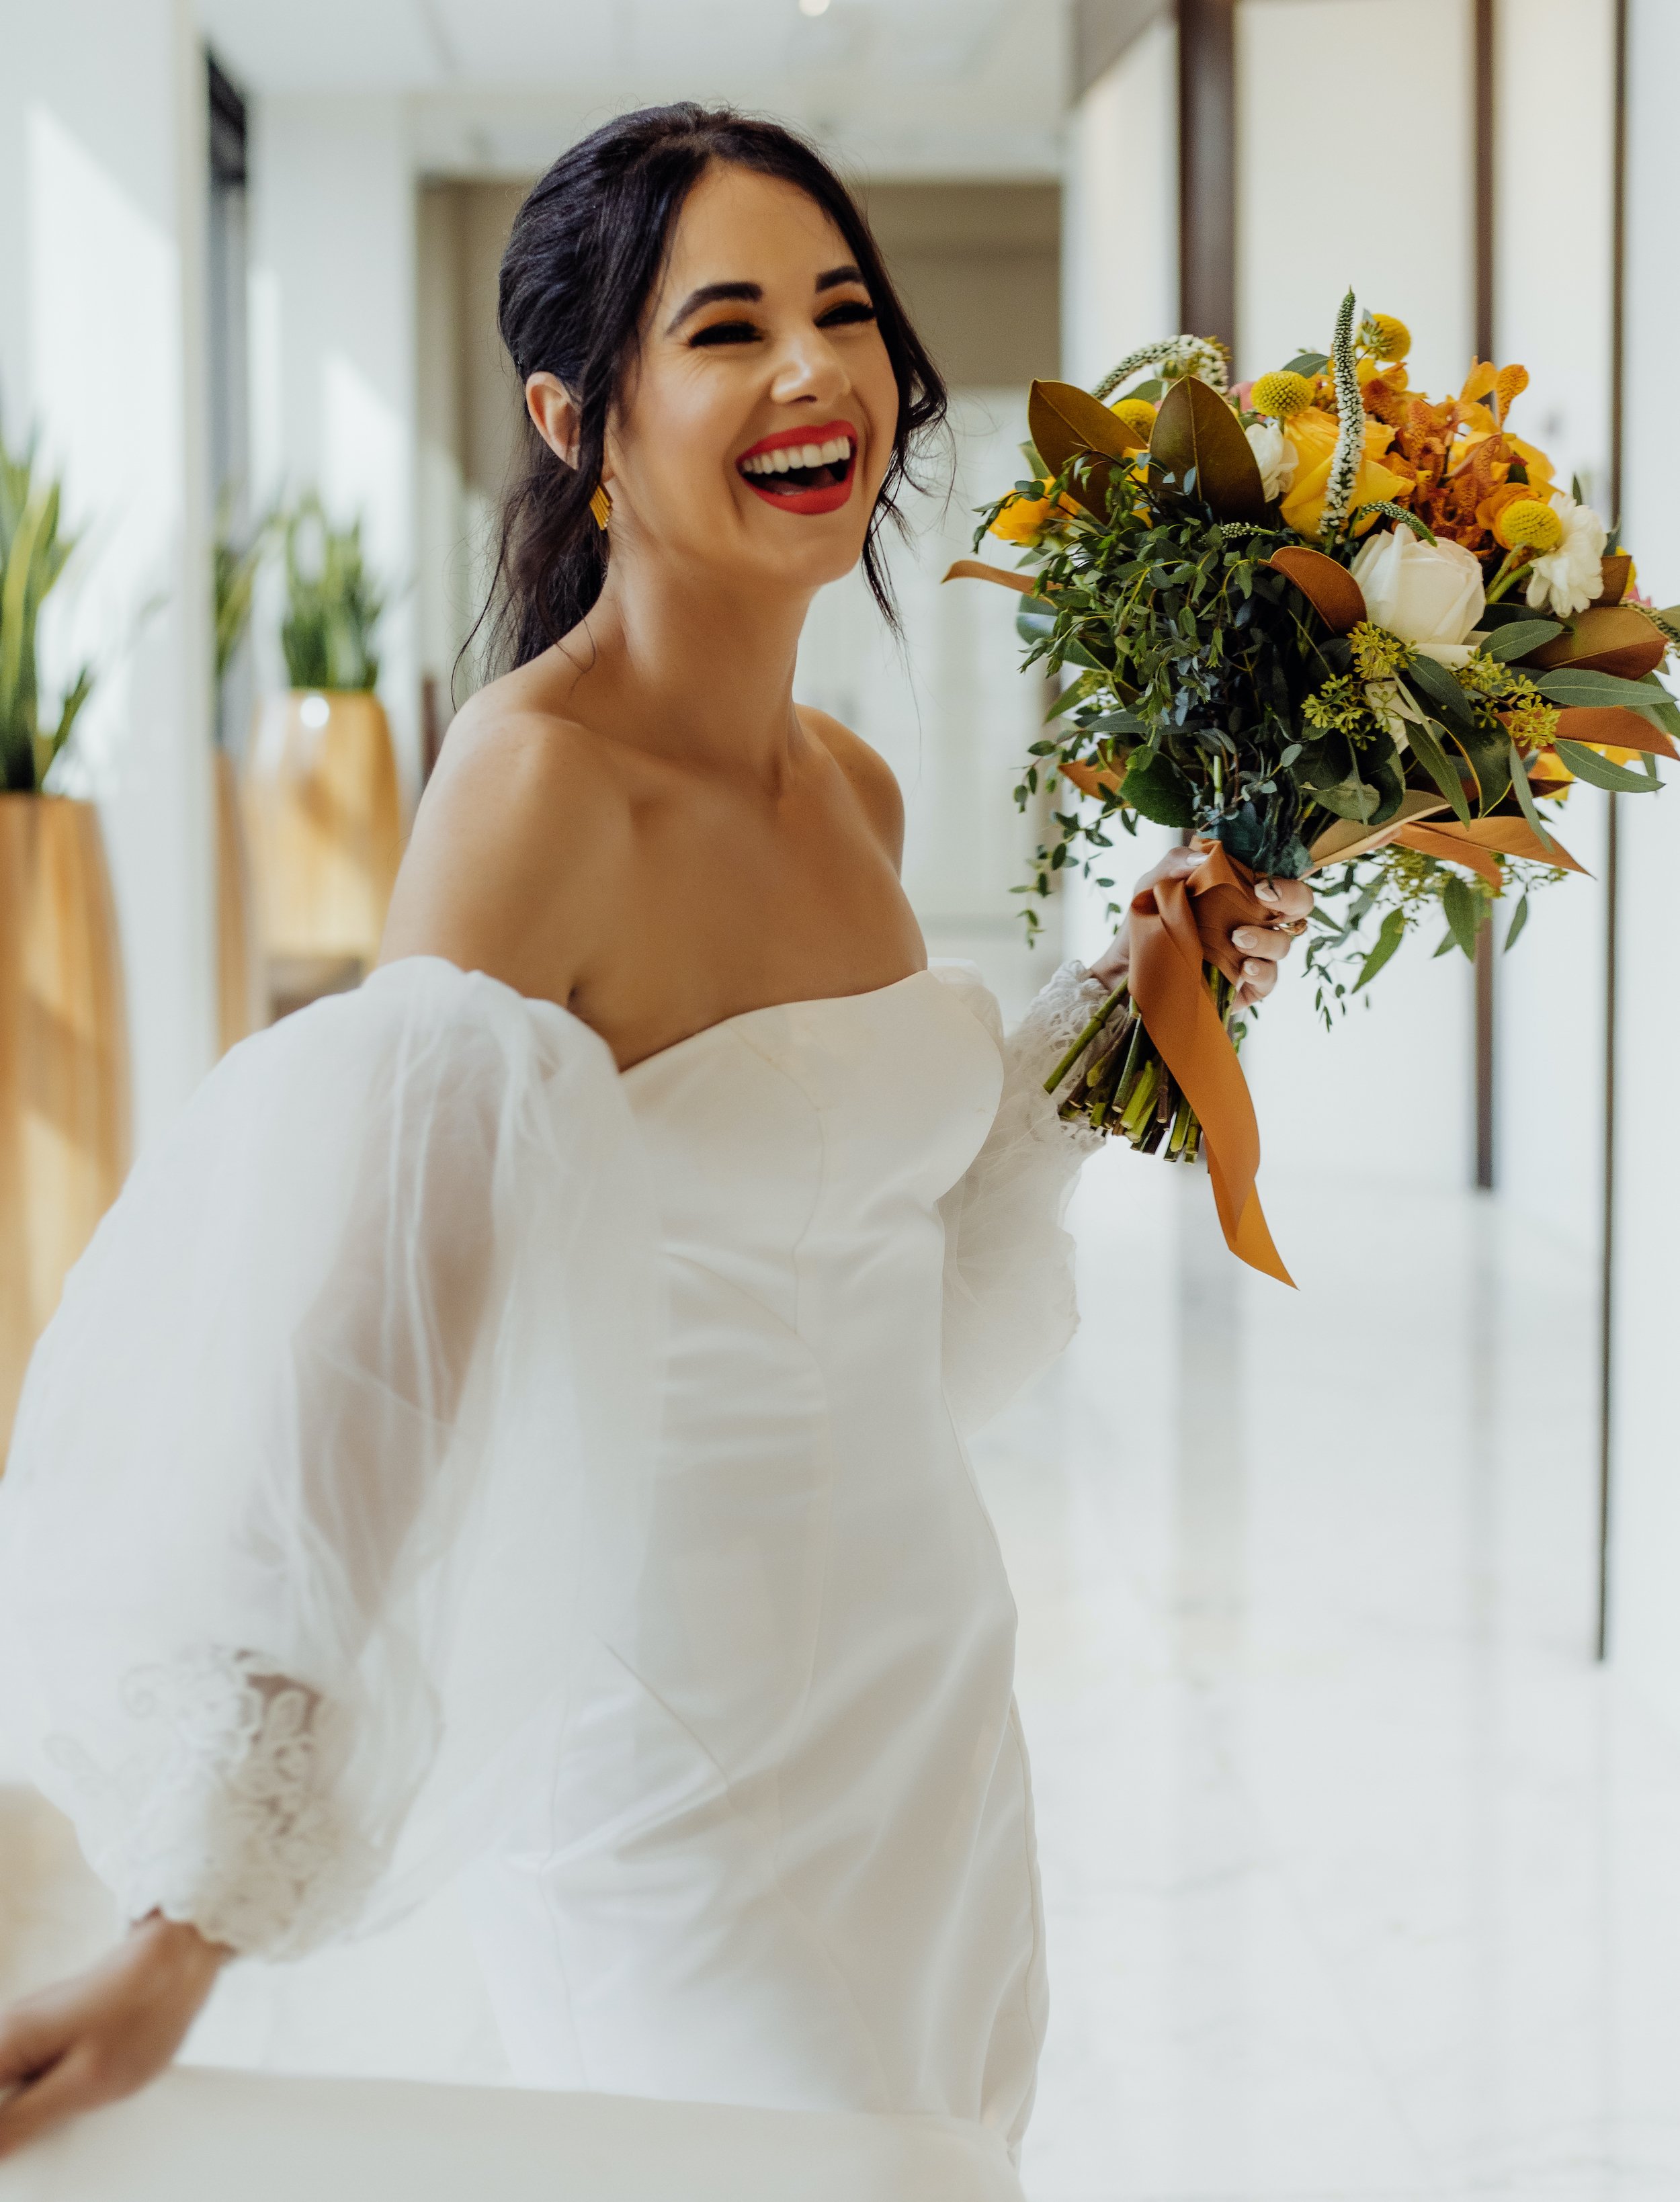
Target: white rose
<point>1566,580</point>
<point>1277,457</point>
<point>1430,594</point>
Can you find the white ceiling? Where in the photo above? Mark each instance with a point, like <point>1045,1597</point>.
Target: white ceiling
<point>911,86</point>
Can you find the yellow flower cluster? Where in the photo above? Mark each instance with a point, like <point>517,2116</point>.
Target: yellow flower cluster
<point>1378,654</point>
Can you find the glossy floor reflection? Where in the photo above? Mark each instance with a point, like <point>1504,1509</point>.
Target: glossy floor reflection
<point>1361,1879</point>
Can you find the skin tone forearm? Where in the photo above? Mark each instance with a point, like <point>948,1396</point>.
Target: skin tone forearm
<point>104,2033</point>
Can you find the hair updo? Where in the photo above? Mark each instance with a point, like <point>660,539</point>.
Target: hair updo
<point>584,256</point>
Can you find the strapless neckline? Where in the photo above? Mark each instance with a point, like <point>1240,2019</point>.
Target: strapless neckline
<point>768,1010</point>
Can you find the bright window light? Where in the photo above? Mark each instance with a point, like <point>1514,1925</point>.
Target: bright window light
<point>813,6</point>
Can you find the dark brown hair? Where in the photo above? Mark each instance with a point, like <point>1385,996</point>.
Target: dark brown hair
<point>584,254</point>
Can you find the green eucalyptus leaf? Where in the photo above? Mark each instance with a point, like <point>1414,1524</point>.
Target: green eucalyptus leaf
<point>1462,907</point>
<point>1525,802</point>
<point>1157,790</point>
<point>1599,772</point>
<point>1389,938</point>
<point>1571,686</point>
<point>1435,686</point>
<point>1434,761</point>
<point>1519,637</point>
<point>1519,918</point>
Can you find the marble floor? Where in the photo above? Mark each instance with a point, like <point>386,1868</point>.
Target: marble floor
<point>1362,1880</point>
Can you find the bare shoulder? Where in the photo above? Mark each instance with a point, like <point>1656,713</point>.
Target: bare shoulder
<point>519,836</point>
<point>873,780</point>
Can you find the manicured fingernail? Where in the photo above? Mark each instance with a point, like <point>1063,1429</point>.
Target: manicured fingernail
<point>1253,967</point>
<point>1265,890</point>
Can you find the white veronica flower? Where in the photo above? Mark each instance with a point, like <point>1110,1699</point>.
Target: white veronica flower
<point>1278,457</point>
<point>1566,580</point>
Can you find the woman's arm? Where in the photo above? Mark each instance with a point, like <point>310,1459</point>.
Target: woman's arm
<point>104,2033</point>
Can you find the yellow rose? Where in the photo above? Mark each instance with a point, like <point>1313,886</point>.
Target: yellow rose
<point>1313,434</point>
<point>1024,519</point>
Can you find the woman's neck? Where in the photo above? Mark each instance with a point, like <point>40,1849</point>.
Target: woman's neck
<point>690,669</point>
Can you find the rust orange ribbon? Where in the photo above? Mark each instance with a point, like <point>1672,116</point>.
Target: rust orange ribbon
<point>1178,926</point>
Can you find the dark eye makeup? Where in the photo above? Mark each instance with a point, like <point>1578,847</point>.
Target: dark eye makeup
<point>846,312</point>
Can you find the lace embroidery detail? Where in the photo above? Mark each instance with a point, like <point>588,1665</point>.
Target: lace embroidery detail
<point>218,1818</point>
<point>1054,1019</point>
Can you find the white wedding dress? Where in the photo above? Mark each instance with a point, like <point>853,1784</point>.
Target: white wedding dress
<point>452,1454</point>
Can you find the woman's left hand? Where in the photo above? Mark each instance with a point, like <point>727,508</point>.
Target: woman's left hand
<point>1262,947</point>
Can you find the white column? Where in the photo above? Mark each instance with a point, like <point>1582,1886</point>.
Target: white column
<point>333,341</point>
<point>103,121</point>
<point>1551,308</point>
<point>1645,1607</point>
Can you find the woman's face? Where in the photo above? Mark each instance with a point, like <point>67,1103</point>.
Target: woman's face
<point>758,421</point>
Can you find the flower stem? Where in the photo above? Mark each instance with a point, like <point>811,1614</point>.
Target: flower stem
<point>1085,1038</point>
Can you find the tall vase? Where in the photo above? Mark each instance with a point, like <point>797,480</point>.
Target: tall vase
<point>326,831</point>
<point>241,1006</point>
<point>64,1120</point>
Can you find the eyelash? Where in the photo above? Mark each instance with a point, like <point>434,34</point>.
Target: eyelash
<point>849,312</point>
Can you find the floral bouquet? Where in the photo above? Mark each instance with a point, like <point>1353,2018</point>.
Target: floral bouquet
<point>1324,624</point>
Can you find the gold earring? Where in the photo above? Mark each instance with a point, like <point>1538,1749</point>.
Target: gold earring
<point>601,505</point>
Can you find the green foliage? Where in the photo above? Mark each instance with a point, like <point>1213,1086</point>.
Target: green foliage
<point>333,604</point>
<point>33,555</point>
<point>236,564</point>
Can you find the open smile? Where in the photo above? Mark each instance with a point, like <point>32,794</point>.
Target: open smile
<point>802,469</point>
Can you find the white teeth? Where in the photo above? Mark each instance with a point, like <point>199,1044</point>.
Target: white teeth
<point>835,452</point>
<point>781,461</point>
<point>811,455</point>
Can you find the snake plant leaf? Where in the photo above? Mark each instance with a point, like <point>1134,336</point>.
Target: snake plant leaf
<point>1196,430</point>
<point>1617,638</point>
<point>1326,584</point>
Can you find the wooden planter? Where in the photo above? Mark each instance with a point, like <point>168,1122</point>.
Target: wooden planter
<point>241,994</point>
<point>64,1125</point>
<point>325,831</point>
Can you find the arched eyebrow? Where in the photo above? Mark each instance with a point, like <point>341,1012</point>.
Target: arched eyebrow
<point>710,293</point>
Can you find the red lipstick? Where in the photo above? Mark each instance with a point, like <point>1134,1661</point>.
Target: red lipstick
<point>819,483</point>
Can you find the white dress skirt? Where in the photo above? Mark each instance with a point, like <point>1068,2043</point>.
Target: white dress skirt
<point>454,1454</point>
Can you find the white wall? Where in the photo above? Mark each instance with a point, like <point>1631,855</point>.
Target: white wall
<point>102,271</point>
<point>333,346</point>
<point>1646,1601</point>
<point>1120,224</point>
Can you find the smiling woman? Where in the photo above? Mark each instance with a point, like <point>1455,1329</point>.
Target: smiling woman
<point>518,1421</point>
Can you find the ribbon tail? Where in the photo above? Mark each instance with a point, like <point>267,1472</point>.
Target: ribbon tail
<point>1179,1017</point>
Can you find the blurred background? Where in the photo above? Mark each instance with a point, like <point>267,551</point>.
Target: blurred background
<point>1351,1648</point>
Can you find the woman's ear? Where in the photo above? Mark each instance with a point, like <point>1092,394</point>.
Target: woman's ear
<point>550,406</point>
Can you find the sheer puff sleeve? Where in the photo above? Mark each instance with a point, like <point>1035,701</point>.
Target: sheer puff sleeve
<point>334,1451</point>
<point>1008,1291</point>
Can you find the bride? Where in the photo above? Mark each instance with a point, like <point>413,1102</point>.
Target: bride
<point>512,1427</point>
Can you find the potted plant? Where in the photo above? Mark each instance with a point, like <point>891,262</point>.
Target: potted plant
<point>64,1125</point>
<point>241,1005</point>
<point>320,781</point>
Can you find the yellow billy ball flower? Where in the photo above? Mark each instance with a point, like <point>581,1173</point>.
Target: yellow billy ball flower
<point>1528,525</point>
<point>1280,396</point>
<point>1137,414</point>
<point>1386,337</point>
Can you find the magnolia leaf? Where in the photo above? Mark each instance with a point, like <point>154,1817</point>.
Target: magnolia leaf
<point>1617,638</point>
<point>1156,790</point>
<point>1196,430</point>
<point>1518,638</point>
<point>1429,752</point>
<point>1326,584</point>
<point>1615,573</point>
<point>1440,688</point>
<point>1598,771</point>
<point>1065,420</point>
<point>977,569</point>
<point>1619,728</point>
<point>1387,941</point>
<point>1573,685</point>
